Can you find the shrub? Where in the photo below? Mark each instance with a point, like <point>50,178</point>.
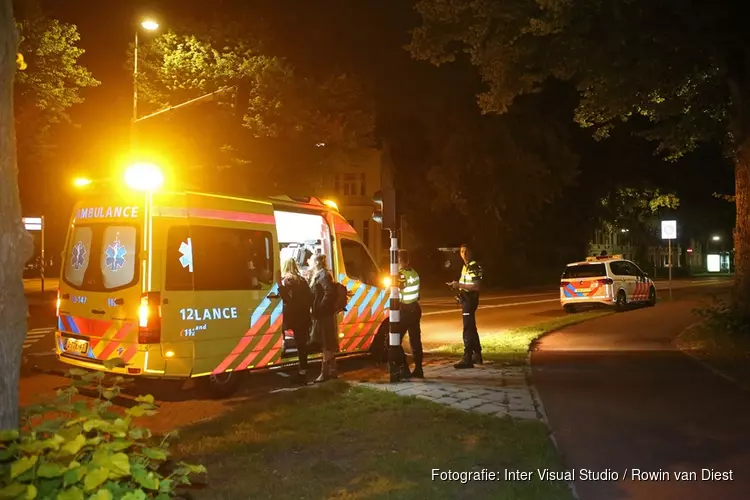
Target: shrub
<point>80,450</point>
<point>724,317</point>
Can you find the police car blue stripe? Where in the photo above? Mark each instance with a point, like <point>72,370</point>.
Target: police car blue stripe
<point>72,324</point>
<point>367,300</point>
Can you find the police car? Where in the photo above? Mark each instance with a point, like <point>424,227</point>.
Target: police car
<point>609,280</point>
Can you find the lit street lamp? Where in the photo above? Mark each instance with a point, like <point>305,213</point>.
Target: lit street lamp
<point>716,238</point>
<point>148,25</point>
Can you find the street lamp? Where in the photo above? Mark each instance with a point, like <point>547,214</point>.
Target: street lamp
<point>148,25</point>
<point>716,238</point>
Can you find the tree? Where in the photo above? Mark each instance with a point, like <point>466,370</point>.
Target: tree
<point>682,68</point>
<point>50,86</point>
<point>15,242</point>
<point>290,121</point>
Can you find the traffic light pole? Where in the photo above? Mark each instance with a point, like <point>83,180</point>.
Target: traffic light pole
<point>395,351</point>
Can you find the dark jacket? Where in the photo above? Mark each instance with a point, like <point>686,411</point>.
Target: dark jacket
<point>297,298</point>
<point>324,295</point>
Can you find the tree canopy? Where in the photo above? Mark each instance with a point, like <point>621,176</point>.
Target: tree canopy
<point>50,84</point>
<point>680,70</point>
<point>290,120</point>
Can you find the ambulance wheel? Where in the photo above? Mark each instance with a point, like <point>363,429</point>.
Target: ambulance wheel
<point>223,385</point>
<point>622,300</point>
<point>652,297</point>
<point>570,309</point>
<point>379,347</point>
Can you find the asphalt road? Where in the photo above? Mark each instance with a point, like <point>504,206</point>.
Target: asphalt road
<point>441,321</point>
<point>621,398</point>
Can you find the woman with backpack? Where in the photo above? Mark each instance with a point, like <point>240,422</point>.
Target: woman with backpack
<point>297,298</point>
<point>324,329</point>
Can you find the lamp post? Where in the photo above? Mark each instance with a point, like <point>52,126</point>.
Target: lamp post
<point>148,25</point>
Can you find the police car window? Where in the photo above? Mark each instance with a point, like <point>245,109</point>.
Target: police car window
<point>357,262</point>
<point>207,258</point>
<point>620,269</point>
<point>633,270</point>
<point>584,271</point>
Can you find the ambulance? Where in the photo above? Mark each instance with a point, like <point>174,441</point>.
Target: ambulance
<point>184,285</point>
<point>606,280</point>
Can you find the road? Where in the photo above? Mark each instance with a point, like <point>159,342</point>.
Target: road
<point>619,397</point>
<point>441,322</point>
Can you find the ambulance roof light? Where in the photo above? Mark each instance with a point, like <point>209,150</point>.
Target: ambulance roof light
<point>144,177</point>
<point>81,182</point>
<point>331,204</point>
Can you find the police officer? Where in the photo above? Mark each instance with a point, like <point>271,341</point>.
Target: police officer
<point>468,287</point>
<point>411,312</point>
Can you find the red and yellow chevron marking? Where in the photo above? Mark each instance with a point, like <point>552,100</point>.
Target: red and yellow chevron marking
<point>597,285</point>
<point>261,345</point>
<point>641,291</point>
<point>358,334</point>
<point>107,339</point>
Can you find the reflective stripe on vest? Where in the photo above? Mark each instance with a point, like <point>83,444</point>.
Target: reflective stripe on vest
<point>409,286</point>
<point>470,276</point>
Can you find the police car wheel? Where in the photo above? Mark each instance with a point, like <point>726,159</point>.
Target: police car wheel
<point>622,300</point>
<point>652,297</point>
<point>570,308</point>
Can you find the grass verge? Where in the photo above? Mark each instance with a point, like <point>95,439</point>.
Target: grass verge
<point>727,352</point>
<point>342,442</point>
<point>511,347</point>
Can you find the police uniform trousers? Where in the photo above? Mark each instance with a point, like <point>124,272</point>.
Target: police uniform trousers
<point>411,316</point>
<point>470,334</point>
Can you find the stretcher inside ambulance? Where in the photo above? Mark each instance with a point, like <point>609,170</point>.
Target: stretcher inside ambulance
<point>184,285</point>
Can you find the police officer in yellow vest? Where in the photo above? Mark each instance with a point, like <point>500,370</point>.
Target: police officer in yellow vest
<point>411,312</point>
<point>468,287</point>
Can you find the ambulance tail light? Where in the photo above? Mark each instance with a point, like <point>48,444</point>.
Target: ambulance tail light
<point>57,304</point>
<point>149,318</point>
<point>606,281</point>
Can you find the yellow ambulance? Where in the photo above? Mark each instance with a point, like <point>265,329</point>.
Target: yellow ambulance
<point>184,285</point>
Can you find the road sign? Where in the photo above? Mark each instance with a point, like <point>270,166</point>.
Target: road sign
<point>669,229</point>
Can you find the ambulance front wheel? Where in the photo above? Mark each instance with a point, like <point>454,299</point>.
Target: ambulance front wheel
<point>223,385</point>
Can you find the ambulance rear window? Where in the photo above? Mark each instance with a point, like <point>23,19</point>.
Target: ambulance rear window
<point>102,257</point>
<point>585,271</point>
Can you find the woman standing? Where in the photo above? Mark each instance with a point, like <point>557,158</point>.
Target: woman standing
<point>324,328</point>
<point>297,298</point>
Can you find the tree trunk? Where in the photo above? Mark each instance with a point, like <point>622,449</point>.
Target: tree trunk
<point>15,242</point>
<point>742,229</point>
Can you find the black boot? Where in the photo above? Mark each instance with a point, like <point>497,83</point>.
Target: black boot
<point>476,358</point>
<point>417,373</point>
<point>464,363</point>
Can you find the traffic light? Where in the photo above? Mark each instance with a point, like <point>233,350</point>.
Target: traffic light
<point>385,208</point>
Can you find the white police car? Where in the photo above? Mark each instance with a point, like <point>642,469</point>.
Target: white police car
<point>609,280</point>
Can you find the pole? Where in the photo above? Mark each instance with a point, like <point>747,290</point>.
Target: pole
<point>41,269</point>
<point>135,79</point>
<point>395,351</point>
<point>669,259</point>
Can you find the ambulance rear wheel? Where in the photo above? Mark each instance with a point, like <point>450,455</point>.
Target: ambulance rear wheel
<point>652,297</point>
<point>223,385</point>
<point>622,300</point>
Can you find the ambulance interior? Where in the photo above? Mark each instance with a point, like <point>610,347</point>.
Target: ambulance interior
<point>301,236</point>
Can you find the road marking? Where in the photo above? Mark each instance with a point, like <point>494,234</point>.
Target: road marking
<point>35,335</point>
<point>514,304</point>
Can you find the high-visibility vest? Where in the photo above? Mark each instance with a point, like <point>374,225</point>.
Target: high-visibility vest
<point>471,273</point>
<point>409,284</point>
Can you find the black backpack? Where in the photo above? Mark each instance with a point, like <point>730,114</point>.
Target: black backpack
<point>342,297</point>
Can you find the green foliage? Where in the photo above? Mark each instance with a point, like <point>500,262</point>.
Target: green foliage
<point>51,82</point>
<point>666,62</point>
<point>633,206</point>
<point>724,317</point>
<point>75,450</point>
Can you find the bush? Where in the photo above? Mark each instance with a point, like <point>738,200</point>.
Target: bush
<point>83,450</point>
<point>724,317</point>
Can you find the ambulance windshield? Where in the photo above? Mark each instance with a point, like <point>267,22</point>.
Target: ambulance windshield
<point>101,257</point>
<point>301,236</point>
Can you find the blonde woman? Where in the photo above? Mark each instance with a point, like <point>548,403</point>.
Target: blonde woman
<point>297,298</point>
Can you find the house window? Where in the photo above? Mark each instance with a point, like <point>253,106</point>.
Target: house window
<point>366,232</point>
<point>337,183</point>
<point>350,185</point>
<point>362,185</point>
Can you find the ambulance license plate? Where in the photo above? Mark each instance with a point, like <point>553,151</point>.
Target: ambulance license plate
<point>77,346</point>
